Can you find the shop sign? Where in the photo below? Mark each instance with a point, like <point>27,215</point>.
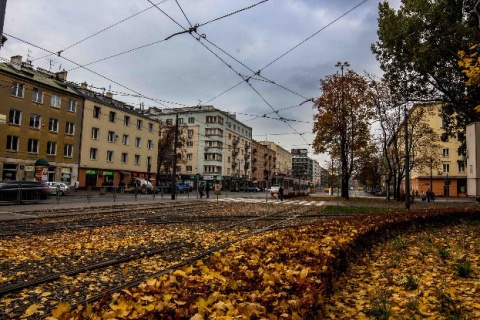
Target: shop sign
<point>207,177</point>
<point>108,173</point>
<point>217,188</point>
<point>91,171</point>
<point>29,168</point>
<point>65,170</point>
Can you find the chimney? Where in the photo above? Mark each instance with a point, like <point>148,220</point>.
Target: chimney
<point>16,62</point>
<point>109,95</point>
<point>61,75</point>
<point>84,85</point>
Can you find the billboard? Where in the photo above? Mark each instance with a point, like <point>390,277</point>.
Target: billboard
<point>299,152</point>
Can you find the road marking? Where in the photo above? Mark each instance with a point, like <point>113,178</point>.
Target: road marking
<point>275,202</point>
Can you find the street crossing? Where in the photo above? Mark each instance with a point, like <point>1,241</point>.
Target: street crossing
<point>271,201</point>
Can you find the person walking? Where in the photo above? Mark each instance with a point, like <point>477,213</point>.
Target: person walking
<point>200,190</point>
<point>207,190</point>
<point>280,193</point>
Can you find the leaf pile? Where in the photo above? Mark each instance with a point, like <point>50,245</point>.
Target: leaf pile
<point>283,274</point>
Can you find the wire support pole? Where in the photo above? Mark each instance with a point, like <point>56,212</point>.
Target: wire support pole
<point>174,169</point>
<point>407,162</point>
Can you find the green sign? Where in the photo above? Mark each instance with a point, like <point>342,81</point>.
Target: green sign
<point>91,171</point>
<point>108,173</point>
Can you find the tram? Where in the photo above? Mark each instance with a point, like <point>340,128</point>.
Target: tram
<point>292,187</point>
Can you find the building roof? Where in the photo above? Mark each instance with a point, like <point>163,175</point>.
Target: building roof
<point>40,76</point>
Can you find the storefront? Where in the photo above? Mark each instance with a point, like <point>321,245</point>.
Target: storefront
<point>42,171</point>
<point>9,172</point>
<point>91,177</point>
<point>66,176</point>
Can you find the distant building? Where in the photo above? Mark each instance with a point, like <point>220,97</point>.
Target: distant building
<point>263,164</point>
<point>218,147</point>
<point>473,160</point>
<point>283,163</point>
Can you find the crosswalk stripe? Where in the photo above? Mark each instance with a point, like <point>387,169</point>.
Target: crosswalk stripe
<point>275,202</point>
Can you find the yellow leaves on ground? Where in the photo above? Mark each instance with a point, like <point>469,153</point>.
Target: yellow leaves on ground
<point>61,308</point>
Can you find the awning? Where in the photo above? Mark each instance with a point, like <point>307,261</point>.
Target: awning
<point>42,162</point>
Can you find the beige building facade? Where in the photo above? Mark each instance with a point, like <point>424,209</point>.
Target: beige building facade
<point>283,163</point>
<point>263,164</point>
<point>449,178</point>
<point>40,138</point>
<point>118,142</point>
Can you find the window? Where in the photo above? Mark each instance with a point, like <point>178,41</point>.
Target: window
<point>72,105</point>
<point>445,152</point>
<point>93,153</point>
<point>169,122</point>
<point>51,148</point>
<point>180,120</point>
<point>126,121</point>
<point>191,120</point>
<point>189,169</point>
<point>96,112</point>
<point>17,90</point>
<point>190,133</point>
<point>228,160</point>
<point>138,142</point>
<point>189,156</point>
<point>55,101</point>
<point>150,144</point>
<point>37,95</point>
<point>125,139</point>
<point>149,161</point>
<point>35,121</point>
<point>189,144</point>
<point>15,117</point>
<point>139,124</point>
<point>150,127</point>
<point>70,128</point>
<point>112,116</point>
<point>12,143</point>
<point>111,136</point>
<point>446,167</point>
<point>461,166</point>
<point>53,125</point>
<point>137,159</point>
<point>124,157</point>
<point>32,146</point>
<point>68,150</point>
<point>179,169</point>
<point>95,132</point>
<point>109,156</point>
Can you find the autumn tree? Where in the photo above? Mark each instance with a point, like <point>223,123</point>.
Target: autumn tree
<point>166,146</point>
<point>418,47</point>
<point>369,172</point>
<point>342,123</point>
<point>423,141</point>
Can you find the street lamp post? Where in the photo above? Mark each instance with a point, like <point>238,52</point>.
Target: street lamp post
<point>343,123</point>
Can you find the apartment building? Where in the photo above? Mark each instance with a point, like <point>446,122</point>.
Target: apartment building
<point>263,164</point>
<point>283,163</point>
<point>449,178</point>
<point>119,143</point>
<point>218,145</point>
<point>302,165</point>
<point>40,138</point>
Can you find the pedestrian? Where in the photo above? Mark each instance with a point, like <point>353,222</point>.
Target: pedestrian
<point>200,190</point>
<point>280,193</point>
<point>428,195</point>
<point>75,185</point>
<point>121,185</point>
<point>207,190</point>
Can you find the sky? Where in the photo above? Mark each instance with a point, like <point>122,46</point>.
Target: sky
<point>148,57</point>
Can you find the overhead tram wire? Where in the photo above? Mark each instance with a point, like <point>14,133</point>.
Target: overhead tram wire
<point>287,52</point>
<point>181,9</point>
<point>94,72</point>
<point>98,32</point>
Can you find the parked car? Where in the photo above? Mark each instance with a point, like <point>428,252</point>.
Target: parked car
<point>234,189</point>
<point>143,185</point>
<point>23,190</point>
<point>62,188</point>
<point>253,189</point>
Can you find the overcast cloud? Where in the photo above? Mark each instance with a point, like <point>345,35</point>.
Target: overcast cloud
<point>180,71</point>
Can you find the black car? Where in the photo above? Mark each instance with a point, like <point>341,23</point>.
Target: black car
<point>20,191</point>
<point>234,189</point>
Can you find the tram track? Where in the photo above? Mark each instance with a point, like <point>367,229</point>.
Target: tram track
<point>226,230</point>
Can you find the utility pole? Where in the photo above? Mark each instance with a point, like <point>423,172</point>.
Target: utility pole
<point>407,163</point>
<point>343,159</point>
<point>174,174</point>
<point>3,6</point>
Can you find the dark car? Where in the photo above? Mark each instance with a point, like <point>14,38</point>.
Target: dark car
<point>234,189</point>
<point>253,189</point>
<point>20,191</point>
